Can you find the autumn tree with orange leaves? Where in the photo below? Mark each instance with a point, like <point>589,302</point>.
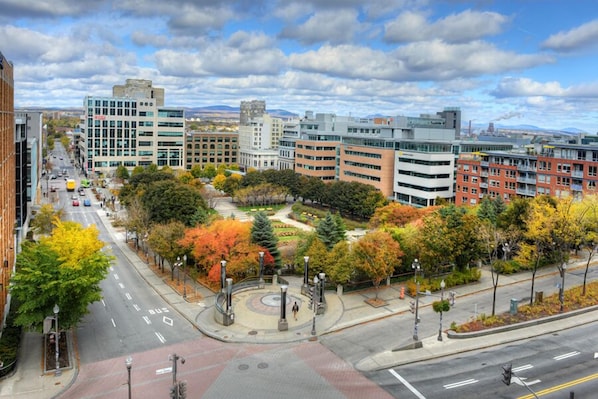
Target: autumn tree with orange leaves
<point>224,239</point>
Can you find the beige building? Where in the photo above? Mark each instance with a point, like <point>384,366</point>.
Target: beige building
<point>215,148</point>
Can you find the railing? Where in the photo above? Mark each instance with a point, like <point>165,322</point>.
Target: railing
<point>7,369</point>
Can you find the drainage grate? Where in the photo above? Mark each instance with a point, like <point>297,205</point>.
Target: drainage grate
<point>262,365</point>
<point>243,367</point>
<point>252,332</point>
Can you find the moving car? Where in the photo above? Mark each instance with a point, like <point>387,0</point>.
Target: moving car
<point>87,202</point>
<point>75,202</point>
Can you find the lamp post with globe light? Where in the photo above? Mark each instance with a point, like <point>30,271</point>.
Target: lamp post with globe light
<point>416,268</point>
<point>129,363</point>
<point>57,338</point>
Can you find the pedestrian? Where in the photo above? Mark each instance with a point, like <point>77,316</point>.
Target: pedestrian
<point>295,309</point>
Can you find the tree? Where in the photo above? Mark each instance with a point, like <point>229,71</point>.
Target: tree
<point>341,229</point>
<point>45,219</point>
<point>340,261</point>
<point>66,269</point>
<point>163,240</point>
<point>169,200</point>
<point>327,231</point>
<point>590,232</point>
<point>122,173</point>
<point>218,182</point>
<point>263,235</point>
<point>377,255</point>
<point>394,214</point>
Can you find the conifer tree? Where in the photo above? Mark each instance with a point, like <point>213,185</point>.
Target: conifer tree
<point>263,235</point>
<point>327,231</point>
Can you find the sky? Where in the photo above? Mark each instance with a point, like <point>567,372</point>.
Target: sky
<point>511,62</point>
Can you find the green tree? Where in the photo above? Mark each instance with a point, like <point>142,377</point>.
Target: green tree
<point>122,173</point>
<point>340,261</point>
<point>170,200</point>
<point>263,235</point>
<point>66,269</point>
<point>163,240</point>
<point>327,231</point>
<point>341,229</point>
<point>45,219</point>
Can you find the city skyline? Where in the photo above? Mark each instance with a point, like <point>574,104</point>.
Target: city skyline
<point>521,62</point>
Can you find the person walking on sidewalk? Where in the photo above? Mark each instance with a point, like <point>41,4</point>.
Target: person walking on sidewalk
<point>295,309</point>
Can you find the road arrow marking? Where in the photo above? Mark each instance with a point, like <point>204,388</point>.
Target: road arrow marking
<point>520,381</point>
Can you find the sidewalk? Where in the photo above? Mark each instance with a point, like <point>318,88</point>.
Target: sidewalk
<point>256,321</point>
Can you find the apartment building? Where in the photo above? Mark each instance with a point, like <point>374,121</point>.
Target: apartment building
<point>215,148</point>
<point>557,169</point>
<point>258,142</point>
<point>287,144</point>
<point>131,131</point>
<point>7,181</point>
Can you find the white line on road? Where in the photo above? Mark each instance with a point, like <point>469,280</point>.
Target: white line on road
<point>121,285</point>
<point>113,323</point>
<point>160,337</point>
<point>137,308</point>
<point>164,370</point>
<point>168,321</point>
<point>566,355</point>
<point>147,320</point>
<point>103,303</point>
<point>407,384</point>
<point>460,383</point>
<point>129,297</point>
<point>115,276</point>
<point>521,368</point>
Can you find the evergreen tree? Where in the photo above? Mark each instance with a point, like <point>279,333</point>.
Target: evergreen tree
<point>341,229</point>
<point>263,235</point>
<point>327,231</point>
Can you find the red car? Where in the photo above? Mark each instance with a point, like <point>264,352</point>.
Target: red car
<point>75,202</point>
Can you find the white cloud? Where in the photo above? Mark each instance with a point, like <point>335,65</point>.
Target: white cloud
<point>455,28</point>
<point>584,36</point>
<point>326,26</point>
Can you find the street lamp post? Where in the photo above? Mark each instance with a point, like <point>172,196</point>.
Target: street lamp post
<point>129,363</point>
<point>562,291</point>
<point>321,298</point>
<point>178,269</point>
<point>222,274</point>
<point>315,303</point>
<point>56,309</point>
<point>416,267</point>
<point>261,272</point>
<point>283,325</point>
<point>184,276</point>
<point>442,285</point>
<point>305,287</point>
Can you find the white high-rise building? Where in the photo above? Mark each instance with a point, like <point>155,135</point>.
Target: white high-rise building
<point>132,129</point>
<point>258,142</point>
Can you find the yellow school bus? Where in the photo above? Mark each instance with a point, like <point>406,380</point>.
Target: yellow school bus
<point>70,185</point>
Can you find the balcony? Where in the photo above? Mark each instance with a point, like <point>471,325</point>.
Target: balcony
<point>525,192</point>
<point>526,180</point>
<point>576,187</point>
<point>577,173</point>
<point>483,185</point>
<point>484,174</point>
<point>526,168</point>
<point>484,163</point>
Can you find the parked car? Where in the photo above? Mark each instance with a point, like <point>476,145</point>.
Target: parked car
<point>81,192</point>
<point>87,202</point>
<point>75,202</point>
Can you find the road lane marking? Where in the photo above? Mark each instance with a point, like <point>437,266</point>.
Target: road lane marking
<point>164,370</point>
<point>168,320</point>
<point>407,384</point>
<point>147,320</point>
<point>521,368</point>
<point>460,383</point>
<point>137,308</point>
<point>113,323</point>
<point>160,337</point>
<point>103,303</point>
<point>129,297</point>
<point>116,276</point>
<point>121,285</point>
<point>566,355</point>
<point>561,386</point>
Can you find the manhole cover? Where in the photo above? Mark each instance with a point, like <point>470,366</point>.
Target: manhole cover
<point>262,366</point>
<point>252,332</point>
<point>243,366</point>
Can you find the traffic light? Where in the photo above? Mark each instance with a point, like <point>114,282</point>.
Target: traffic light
<point>174,392</point>
<point>412,306</point>
<point>182,389</point>
<point>507,373</point>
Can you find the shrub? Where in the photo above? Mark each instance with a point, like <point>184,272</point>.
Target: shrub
<point>10,341</point>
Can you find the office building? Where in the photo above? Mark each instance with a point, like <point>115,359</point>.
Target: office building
<point>251,109</point>
<point>131,130</point>
<point>211,148</point>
